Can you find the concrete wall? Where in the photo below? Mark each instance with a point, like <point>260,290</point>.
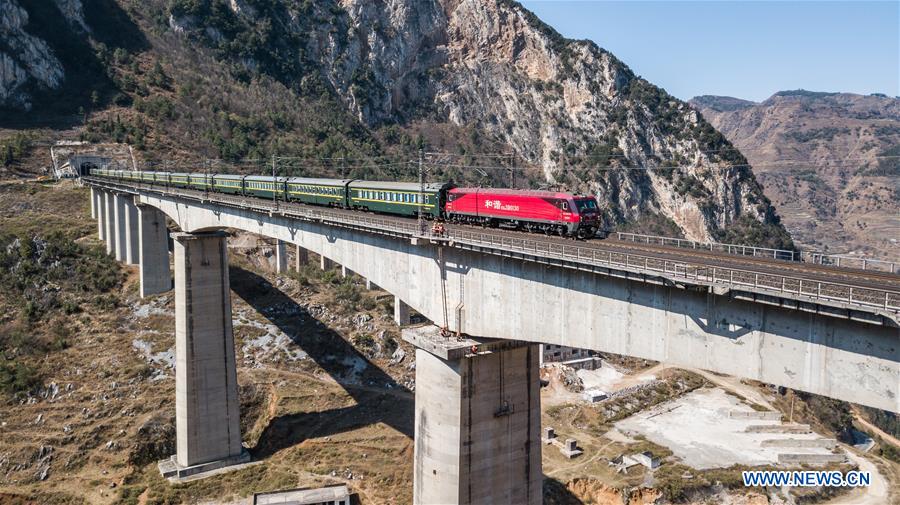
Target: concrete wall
<point>154,251</point>
<point>132,232</point>
<point>100,204</point>
<point>207,412</point>
<point>120,235</point>
<point>516,299</point>
<point>478,426</point>
<point>109,215</point>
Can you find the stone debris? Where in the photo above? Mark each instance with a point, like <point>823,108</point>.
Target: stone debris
<point>398,356</point>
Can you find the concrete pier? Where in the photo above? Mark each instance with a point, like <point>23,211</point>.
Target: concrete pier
<point>401,312</point>
<point>325,263</point>
<point>301,257</point>
<point>93,203</point>
<point>132,232</point>
<point>477,421</point>
<point>154,251</point>
<point>370,285</point>
<point>207,412</point>
<point>119,234</point>
<point>345,272</point>
<point>281,260</point>
<point>109,214</point>
<point>101,214</point>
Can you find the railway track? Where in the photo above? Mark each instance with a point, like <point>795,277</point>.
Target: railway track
<point>869,287</point>
<point>863,278</point>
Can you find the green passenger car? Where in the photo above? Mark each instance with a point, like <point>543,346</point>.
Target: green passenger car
<point>179,180</point>
<point>264,187</point>
<point>232,184</point>
<point>199,181</point>
<point>317,191</point>
<point>401,198</point>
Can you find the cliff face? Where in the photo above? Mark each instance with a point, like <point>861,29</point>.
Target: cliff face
<point>846,197</point>
<point>568,108</point>
<point>26,62</point>
<point>492,65</point>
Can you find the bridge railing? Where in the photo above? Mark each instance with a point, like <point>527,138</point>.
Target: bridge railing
<point>818,258</point>
<point>848,261</point>
<point>743,250</point>
<point>675,269</point>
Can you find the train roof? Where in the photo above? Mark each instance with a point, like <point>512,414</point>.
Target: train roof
<point>519,192</point>
<point>263,178</point>
<point>228,176</point>
<point>318,181</point>
<point>399,186</point>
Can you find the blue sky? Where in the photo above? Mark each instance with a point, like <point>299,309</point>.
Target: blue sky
<point>741,48</point>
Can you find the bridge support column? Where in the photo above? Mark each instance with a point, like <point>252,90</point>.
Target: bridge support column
<point>100,204</point>
<point>280,257</point>
<point>477,421</point>
<point>132,233</point>
<point>119,224</point>
<point>207,416</point>
<point>345,272</point>
<point>370,285</point>
<point>93,203</point>
<point>301,257</point>
<point>109,212</point>
<point>154,251</point>
<point>401,312</point>
<point>325,263</point>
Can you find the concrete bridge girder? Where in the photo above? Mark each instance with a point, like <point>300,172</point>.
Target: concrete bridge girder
<point>517,299</point>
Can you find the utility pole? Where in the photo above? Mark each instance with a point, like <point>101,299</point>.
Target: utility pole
<point>274,184</point>
<point>421,202</point>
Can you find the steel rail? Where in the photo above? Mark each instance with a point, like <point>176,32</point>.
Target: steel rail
<point>676,270</point>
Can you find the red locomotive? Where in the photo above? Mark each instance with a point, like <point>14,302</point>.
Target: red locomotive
<point>535,211</point>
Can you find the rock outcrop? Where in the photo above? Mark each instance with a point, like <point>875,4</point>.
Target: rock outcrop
<point>493,65</point>
<point>27,63</point>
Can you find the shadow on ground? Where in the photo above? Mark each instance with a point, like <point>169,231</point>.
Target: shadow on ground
<point>336,357</point>
<point>556,493</point>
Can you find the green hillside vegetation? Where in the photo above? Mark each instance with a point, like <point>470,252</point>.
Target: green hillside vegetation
<point>45,278</point>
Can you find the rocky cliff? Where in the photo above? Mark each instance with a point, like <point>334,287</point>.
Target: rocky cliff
<point>845,193</point>
<point>26,62</point>
<point>568,109</point>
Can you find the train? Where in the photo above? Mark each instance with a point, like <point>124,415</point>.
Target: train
<point>548,212</point>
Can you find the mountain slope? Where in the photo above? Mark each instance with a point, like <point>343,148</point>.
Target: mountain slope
<point>252,78</point>
<point>846,197</point>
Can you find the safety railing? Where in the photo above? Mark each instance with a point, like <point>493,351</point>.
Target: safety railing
<point>848,261</point>
<point>699,273</point>
<point>818,258</point>
<point>742,250</point>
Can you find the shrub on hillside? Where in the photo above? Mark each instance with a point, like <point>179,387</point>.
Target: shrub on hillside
<point>46,274</point>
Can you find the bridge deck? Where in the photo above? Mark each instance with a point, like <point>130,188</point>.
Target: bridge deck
<point>848,287</point>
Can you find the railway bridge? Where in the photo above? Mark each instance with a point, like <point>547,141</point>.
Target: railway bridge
<point>826,330</point>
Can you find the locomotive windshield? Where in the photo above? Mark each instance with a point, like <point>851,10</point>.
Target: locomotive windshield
<point>586,204</point>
